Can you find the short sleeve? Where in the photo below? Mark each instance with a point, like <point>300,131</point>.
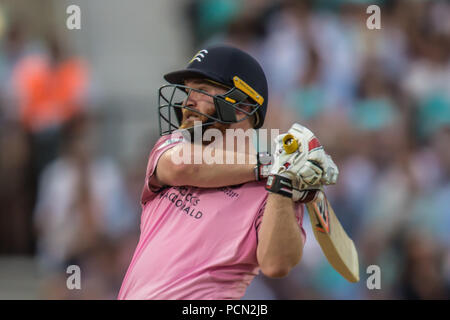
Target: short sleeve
<point>162,145</point>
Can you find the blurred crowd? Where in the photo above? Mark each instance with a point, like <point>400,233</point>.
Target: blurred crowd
<point>62,199</point>
<point>378,100</point>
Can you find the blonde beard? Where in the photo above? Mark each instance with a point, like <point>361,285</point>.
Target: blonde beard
<point>216,125</point>
<point>188,124</point>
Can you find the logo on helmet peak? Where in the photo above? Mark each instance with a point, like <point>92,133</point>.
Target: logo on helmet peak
<point>199,55</point>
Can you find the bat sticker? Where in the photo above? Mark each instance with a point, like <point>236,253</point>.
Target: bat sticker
<point>321,210</point>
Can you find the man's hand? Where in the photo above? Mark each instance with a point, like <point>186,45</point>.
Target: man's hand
<point>319,169</point>
<point>300,167</point>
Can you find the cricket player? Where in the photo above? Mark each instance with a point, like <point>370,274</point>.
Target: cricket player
<point>208,229</point>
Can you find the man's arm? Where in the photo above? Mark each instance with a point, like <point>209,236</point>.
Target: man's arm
<point>204,175</point>
<point>280,245</point>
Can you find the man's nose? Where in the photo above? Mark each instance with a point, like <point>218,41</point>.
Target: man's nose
<point>191,99</point>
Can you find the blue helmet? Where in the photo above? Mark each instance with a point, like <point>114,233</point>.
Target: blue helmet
<point>227,66</point>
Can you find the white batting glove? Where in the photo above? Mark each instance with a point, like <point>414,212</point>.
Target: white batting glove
<point>286,163</point>
<point>283,178</point>
<point>302,168</point>
<point>319,168</point>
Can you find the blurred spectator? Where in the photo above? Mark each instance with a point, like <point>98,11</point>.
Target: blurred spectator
<point>283,51</point>
<point>422,276</point>
<point>82,205</point>
<point>16,200</point>
<point>41,93</point>
<point>49,90</point>
<point>16,233</point>
<point>209,17</point>
<point>12,49</point>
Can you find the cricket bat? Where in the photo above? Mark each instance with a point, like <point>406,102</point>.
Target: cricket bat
<point>336,245</point>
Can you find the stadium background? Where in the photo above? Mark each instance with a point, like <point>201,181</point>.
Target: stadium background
<point>78,118</point>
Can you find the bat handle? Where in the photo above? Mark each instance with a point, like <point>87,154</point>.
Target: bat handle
<point>290,143</point>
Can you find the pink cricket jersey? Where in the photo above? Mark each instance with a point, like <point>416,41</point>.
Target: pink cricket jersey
<point>196,243</point>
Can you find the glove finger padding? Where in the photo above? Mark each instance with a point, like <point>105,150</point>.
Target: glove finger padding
<point>331,173</point>
<point>310,174</point>
<point>319,169</point>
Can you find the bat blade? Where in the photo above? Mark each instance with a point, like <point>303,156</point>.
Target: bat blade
<point>336,245</point>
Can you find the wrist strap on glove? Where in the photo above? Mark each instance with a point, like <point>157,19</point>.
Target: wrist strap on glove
<point>283,185</point>
<point>280,185</point>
